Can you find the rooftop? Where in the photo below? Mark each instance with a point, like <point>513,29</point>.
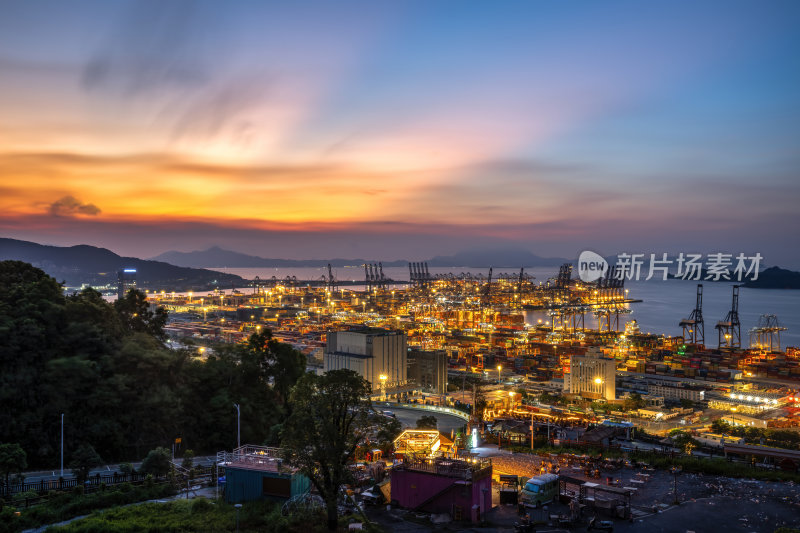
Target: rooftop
<point>443,466</point>
<point>252,457</point>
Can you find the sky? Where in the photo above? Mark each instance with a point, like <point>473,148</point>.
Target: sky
<point>402,130</point>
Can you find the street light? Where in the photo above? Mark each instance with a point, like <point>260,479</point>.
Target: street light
<point>675,471</point>
<point>62,444</point>
<point>383,378</point>
<point>238,506</point>
<point>238,425</point>
<point>499,369</point>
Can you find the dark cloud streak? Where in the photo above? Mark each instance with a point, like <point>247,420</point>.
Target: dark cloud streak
<point>71,206</point>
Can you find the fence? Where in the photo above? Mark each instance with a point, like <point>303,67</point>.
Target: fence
<point>93,483</point>
<point>435,408</point>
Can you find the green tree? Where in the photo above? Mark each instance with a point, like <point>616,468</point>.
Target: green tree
<point>83,460</point>
<point>12,460</point>
<point>158,462</point>
<point>720,426</point>
<point>188,460</point>
<point>427,422</point>
<point>388,429</point>
<point>684,441</point>
<point>135,314</point>
<point>277,362</point>
<point>329,419</point>
<point>632,402</point>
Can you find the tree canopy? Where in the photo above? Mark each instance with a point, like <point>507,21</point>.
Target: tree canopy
<point>12,460</point>
<point>83,460</point>
<point>427,422</point>
<point>157,462</point>
<point>106,367</point>
<point>330,417</point>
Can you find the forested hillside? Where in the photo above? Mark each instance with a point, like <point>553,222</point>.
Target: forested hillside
<point>120,388</point>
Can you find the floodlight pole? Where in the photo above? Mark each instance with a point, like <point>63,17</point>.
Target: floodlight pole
<point>238,425</point>
<point>62,444</point>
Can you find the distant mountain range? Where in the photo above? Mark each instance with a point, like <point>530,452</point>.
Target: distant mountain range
<point>496,258</point>
<point>776,278</point>
<point>769,278</point>
<point>217,257</point>
<point>76,265</point>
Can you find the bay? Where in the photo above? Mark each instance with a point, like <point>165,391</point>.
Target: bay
<point>664,302</point>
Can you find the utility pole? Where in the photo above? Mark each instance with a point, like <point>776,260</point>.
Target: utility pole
<point>62,444</point>
<point>474,406</point>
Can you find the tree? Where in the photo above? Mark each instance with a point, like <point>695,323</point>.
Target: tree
<point>83,460</point>
<point>158,462</point>
<point>634,401</point>
<point>686,403</point>
<point>720,426</point>
<point>684,441</point>
<point>427,422</point>
<point>388,429</point>
<point>277,362</point>
<point>188,460</point>
<point>329,419</point>
<point>136,316</point>
<point>12,460</point>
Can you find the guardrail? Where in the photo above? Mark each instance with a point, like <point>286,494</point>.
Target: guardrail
<point>92,483</point>
<point>422,407</point>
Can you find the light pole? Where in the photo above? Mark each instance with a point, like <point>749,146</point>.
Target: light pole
<point>499,369</point>
<point>531,430</point>
<point>675,471</point>
<point>238,427</point>
<point>238,506</point>
<point>383,379</point>
<point>62,444</point>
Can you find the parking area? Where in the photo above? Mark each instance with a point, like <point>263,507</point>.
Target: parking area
<point>706,503</point>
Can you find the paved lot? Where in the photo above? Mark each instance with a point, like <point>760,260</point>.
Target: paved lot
<point>708,503</point>
<point>408,418</point>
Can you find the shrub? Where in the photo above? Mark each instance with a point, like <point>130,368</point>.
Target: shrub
<point>22,496</point>
<point>201,505</point>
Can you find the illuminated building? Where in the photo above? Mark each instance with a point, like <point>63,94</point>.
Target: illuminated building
<point>591,377</point>
<point>370,352</point>
<point>126,280</point>
<point>428,369</point>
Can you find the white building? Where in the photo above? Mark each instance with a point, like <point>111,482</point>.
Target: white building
<point>371,352</point>
<point>592,377</point>
<point>677,393</point>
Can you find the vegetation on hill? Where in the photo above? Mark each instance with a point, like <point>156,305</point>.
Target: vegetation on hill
<point>121,390</point>
<point>77,265</point>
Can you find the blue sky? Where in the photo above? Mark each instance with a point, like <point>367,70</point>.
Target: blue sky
<point>402,129</point>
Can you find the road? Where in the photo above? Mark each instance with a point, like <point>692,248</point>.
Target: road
<point>48,475</point>
<point>408,418</point>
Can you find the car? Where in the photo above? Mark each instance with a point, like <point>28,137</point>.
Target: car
<point>389,413</point>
